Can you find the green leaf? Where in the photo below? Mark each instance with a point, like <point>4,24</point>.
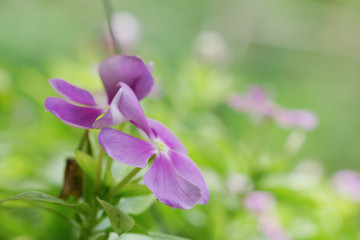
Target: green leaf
<point>137,229</point>
<point>43,197</point>
<point>161,236</point>
<point>136,205</point>
<point>120,221</point>
<point>86,162</point>
<point>134,190</point>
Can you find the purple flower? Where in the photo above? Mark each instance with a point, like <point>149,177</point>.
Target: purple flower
<point>121,75</point>
<point>173,177</point>
<point>256,102</point>
<point>347,183</point>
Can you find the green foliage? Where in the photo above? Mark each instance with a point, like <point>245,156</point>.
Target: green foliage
<point>43,197</point>
<point>86,162</point>
<point>120,221</point>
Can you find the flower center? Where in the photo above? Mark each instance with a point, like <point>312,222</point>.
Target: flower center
<point>160,146</point>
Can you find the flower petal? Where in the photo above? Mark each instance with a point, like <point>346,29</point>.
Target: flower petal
<point>189,170</point>
<point>72,92</point>
<point>125,148</point>
<point>166,135</point>
<point>295,118</point>
<point>76,116</point>
<point>168,186</point>
<point>125,106</point>
<point>127,69</point>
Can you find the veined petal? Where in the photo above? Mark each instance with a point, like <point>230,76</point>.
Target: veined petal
<point>129,70</point>
<point>113,116</point>
<point>189,170</point>
<point>166,136</point>
<point>125,148</point>
<point>73,115</point>
<point>72,92</point>
<point>169,186</point>
<point>124,107</point>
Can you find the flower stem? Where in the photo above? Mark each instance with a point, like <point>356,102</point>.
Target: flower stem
<point>98,171</point>
<point>83,139</point>
<point>122,183</point>
<point>108,14</point>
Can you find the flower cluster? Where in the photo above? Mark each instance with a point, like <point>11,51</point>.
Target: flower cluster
<point>173,177</point>
<point>255,102</point>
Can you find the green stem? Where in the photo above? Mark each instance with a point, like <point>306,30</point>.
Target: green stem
<point>122,183</point>
<point>98,171</point>
<point>108,14</point>
<point>83,139</point>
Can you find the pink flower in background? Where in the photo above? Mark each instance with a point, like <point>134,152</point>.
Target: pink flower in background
<point>347,183</point>
<point>121,75</point>
<point>126,30</point>
<point>288,118</point>
<point>259,201</point>
<point>255,102</point>
<point>272,228</point>
<point>262,204</point>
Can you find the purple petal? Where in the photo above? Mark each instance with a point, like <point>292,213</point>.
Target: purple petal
<point>259,201</point>
<point>72,92</point>
<point>125,106</point>
<point>168,186</point>
<point>127,69</point>
<point>188,169</point>
<point>347,183</point>
<point>76,116</point>
<point>125,148</point>
<point>254,101</point>
<point>166,136</point>
<point>295,118</point>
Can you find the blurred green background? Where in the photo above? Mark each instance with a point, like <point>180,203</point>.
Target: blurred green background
<point>306,53</point>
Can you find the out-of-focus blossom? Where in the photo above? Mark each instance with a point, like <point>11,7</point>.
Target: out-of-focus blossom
<point>173,177</point>
<point>238,183</point>
<point>256,102</point>
<point>259,202</point>
<point>272,228</point>
<point>126,30</point>
<point>121,75</point>
<point>262,204</point>
<point>347,183</point>
<point>288,118</point>
<point>211,47</point>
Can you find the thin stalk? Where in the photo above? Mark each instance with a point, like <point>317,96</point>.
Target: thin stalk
<point>98,171</point>
<point>108,13</point>
<point>122,183</point>
<point>108,165</point>
<point>83,139</point>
